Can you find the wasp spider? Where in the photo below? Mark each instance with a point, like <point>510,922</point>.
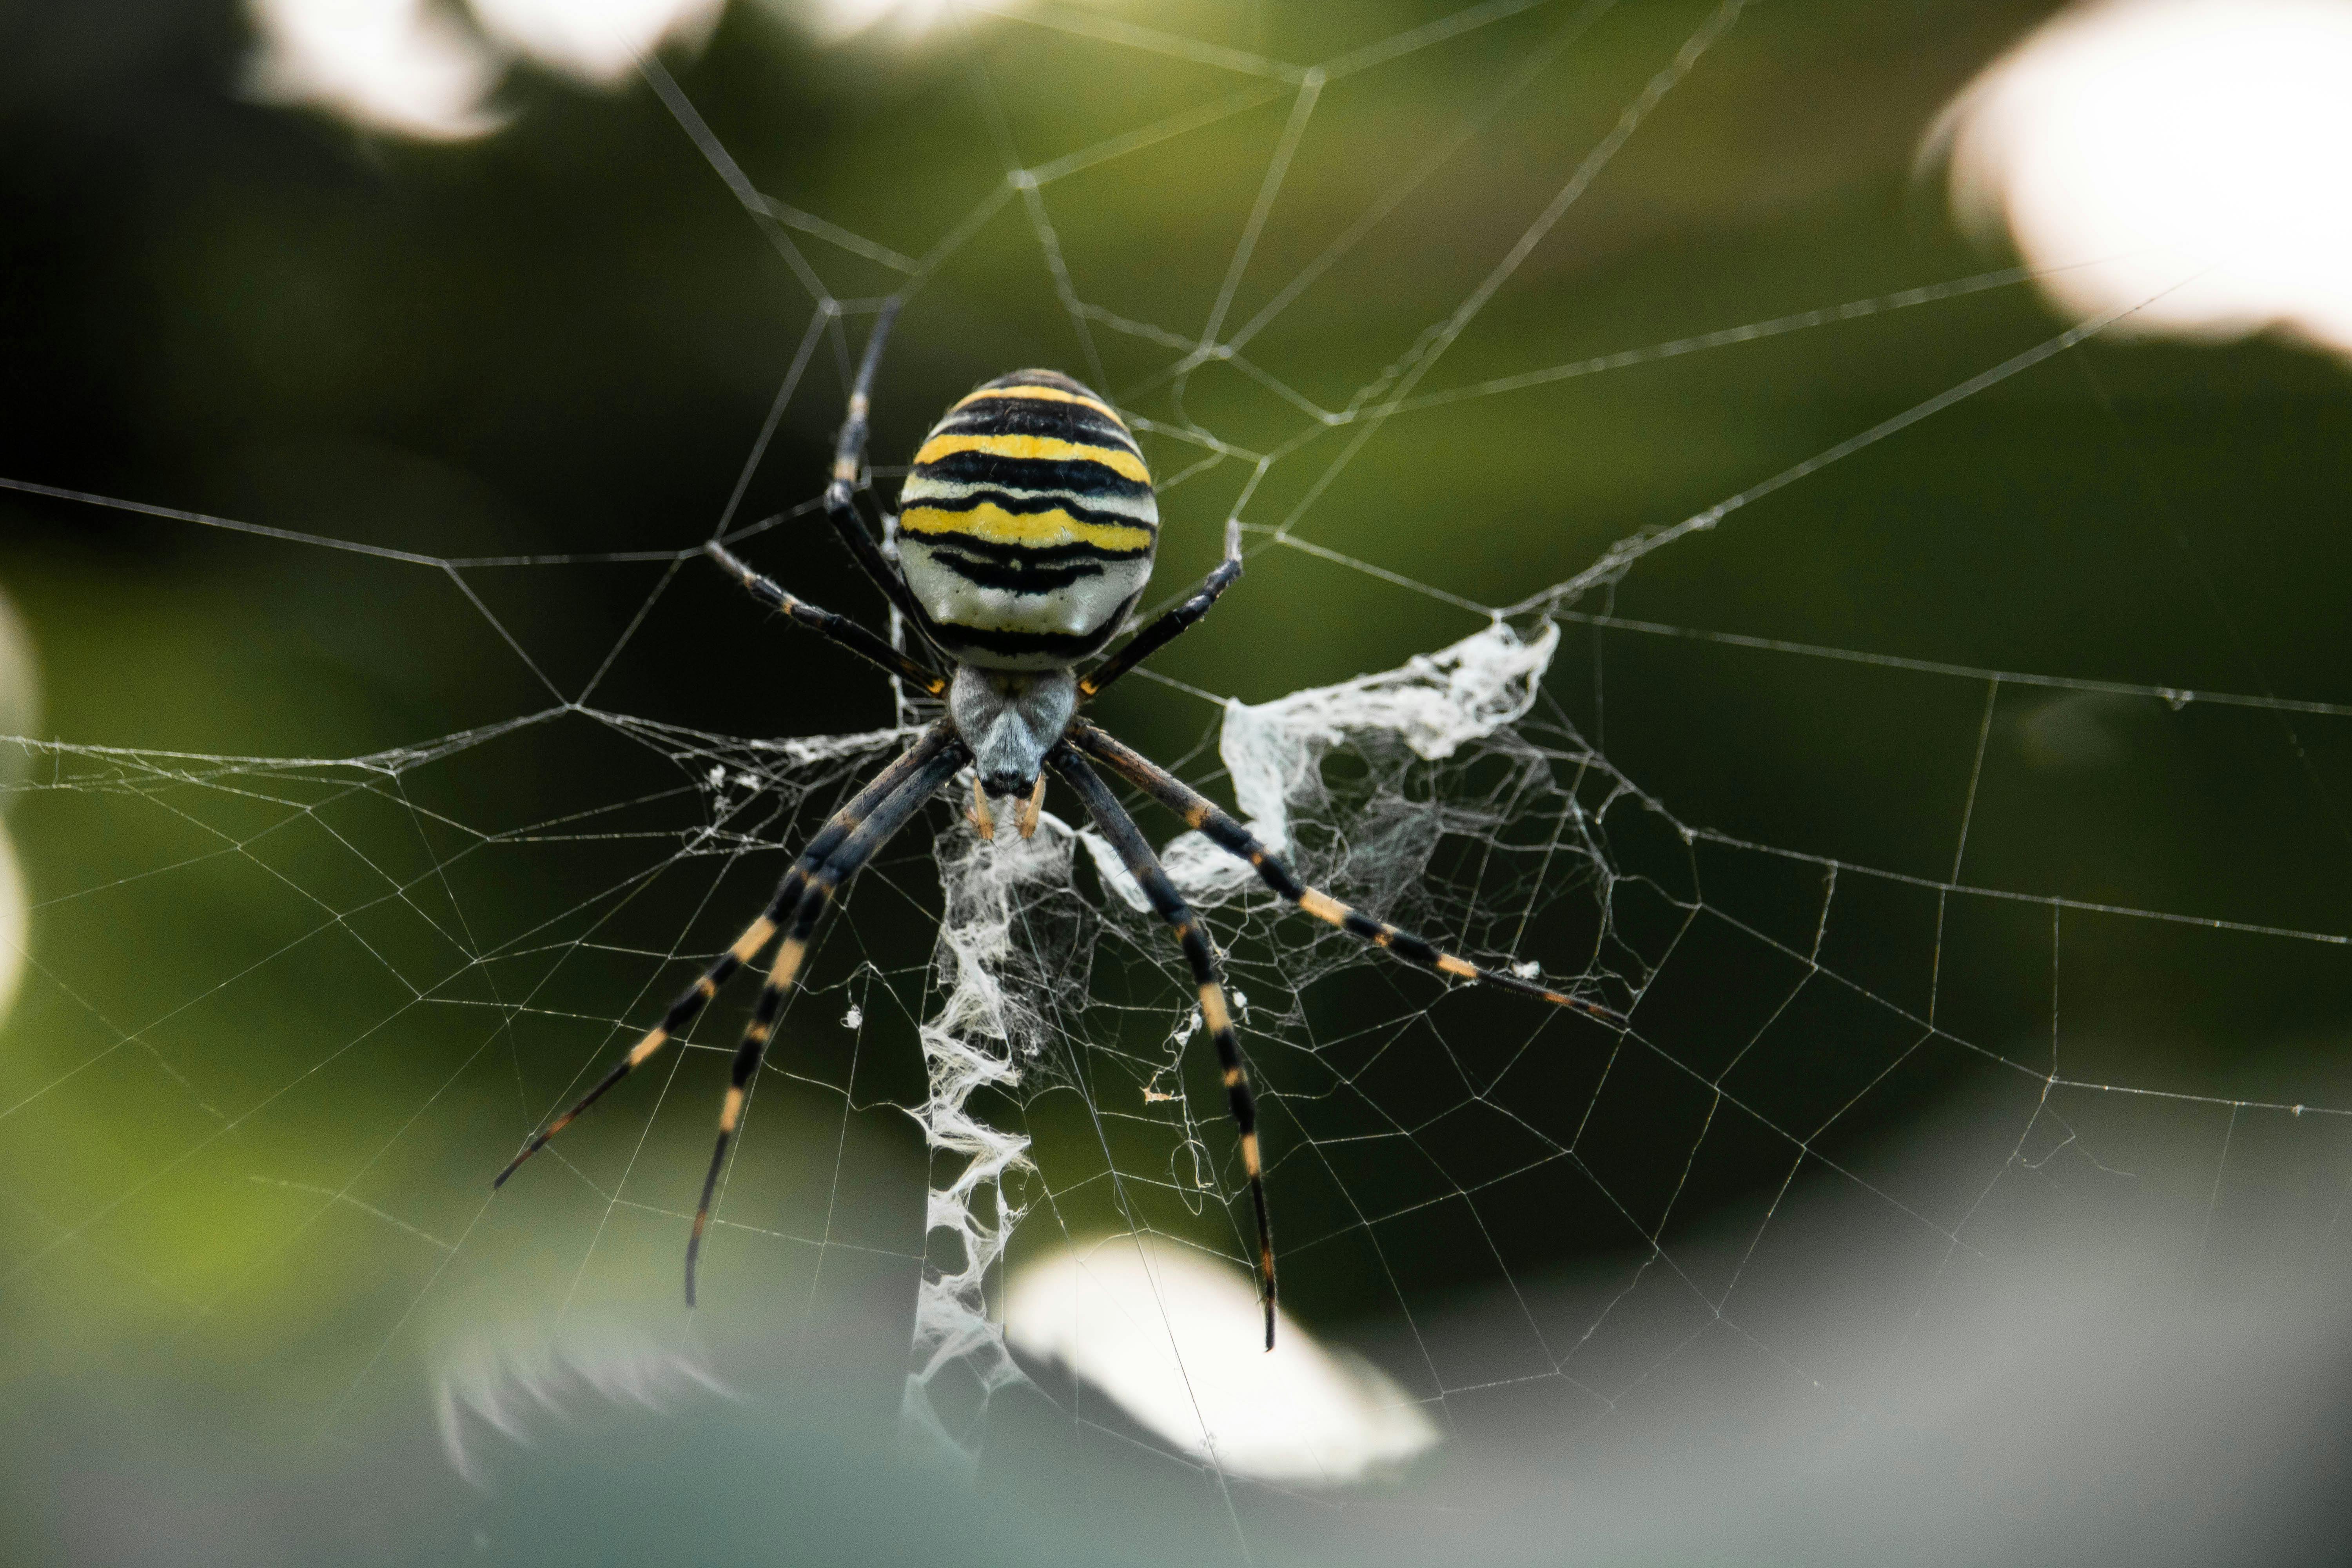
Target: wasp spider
<point>1025,536</point>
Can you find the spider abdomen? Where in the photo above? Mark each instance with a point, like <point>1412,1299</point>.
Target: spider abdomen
<point>1028,526</point>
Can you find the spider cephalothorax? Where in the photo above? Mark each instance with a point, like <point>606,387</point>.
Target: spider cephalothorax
<point>1025,541</point>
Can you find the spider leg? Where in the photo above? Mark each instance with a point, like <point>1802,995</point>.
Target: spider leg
<point>1200,812</point>
<point>827,839</point>
<point>1114,824</point>
<point>849,855</point>
<point>1176,622</point>
<point>849,462</point>
<point>836,628</point>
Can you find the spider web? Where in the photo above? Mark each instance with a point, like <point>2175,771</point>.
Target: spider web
<point>1866,1104</point>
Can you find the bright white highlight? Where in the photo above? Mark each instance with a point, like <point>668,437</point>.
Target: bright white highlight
<point>407,67</point>
<point>19,715</point>
<point>835,20</point>
<point>1175,1339</point>
<point>2186,157</point>
<point>15,922</point>
<point>393,66</point>
<point>594,40</point>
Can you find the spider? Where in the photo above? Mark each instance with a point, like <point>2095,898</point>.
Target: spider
<point>1025,538</point>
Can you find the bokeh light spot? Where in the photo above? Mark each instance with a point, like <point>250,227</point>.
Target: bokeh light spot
<point>2180,159</point>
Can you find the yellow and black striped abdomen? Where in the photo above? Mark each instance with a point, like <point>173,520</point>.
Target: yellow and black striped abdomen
<point>1027,527</point>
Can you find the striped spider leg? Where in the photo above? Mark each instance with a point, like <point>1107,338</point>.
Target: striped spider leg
<point>1166,627</point>
<point>835,851</point>
<point>1221,829</point>
<point>834,627</point>
<point>862,841</point>
<point>848,464</point>
<point>1112,820</point>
